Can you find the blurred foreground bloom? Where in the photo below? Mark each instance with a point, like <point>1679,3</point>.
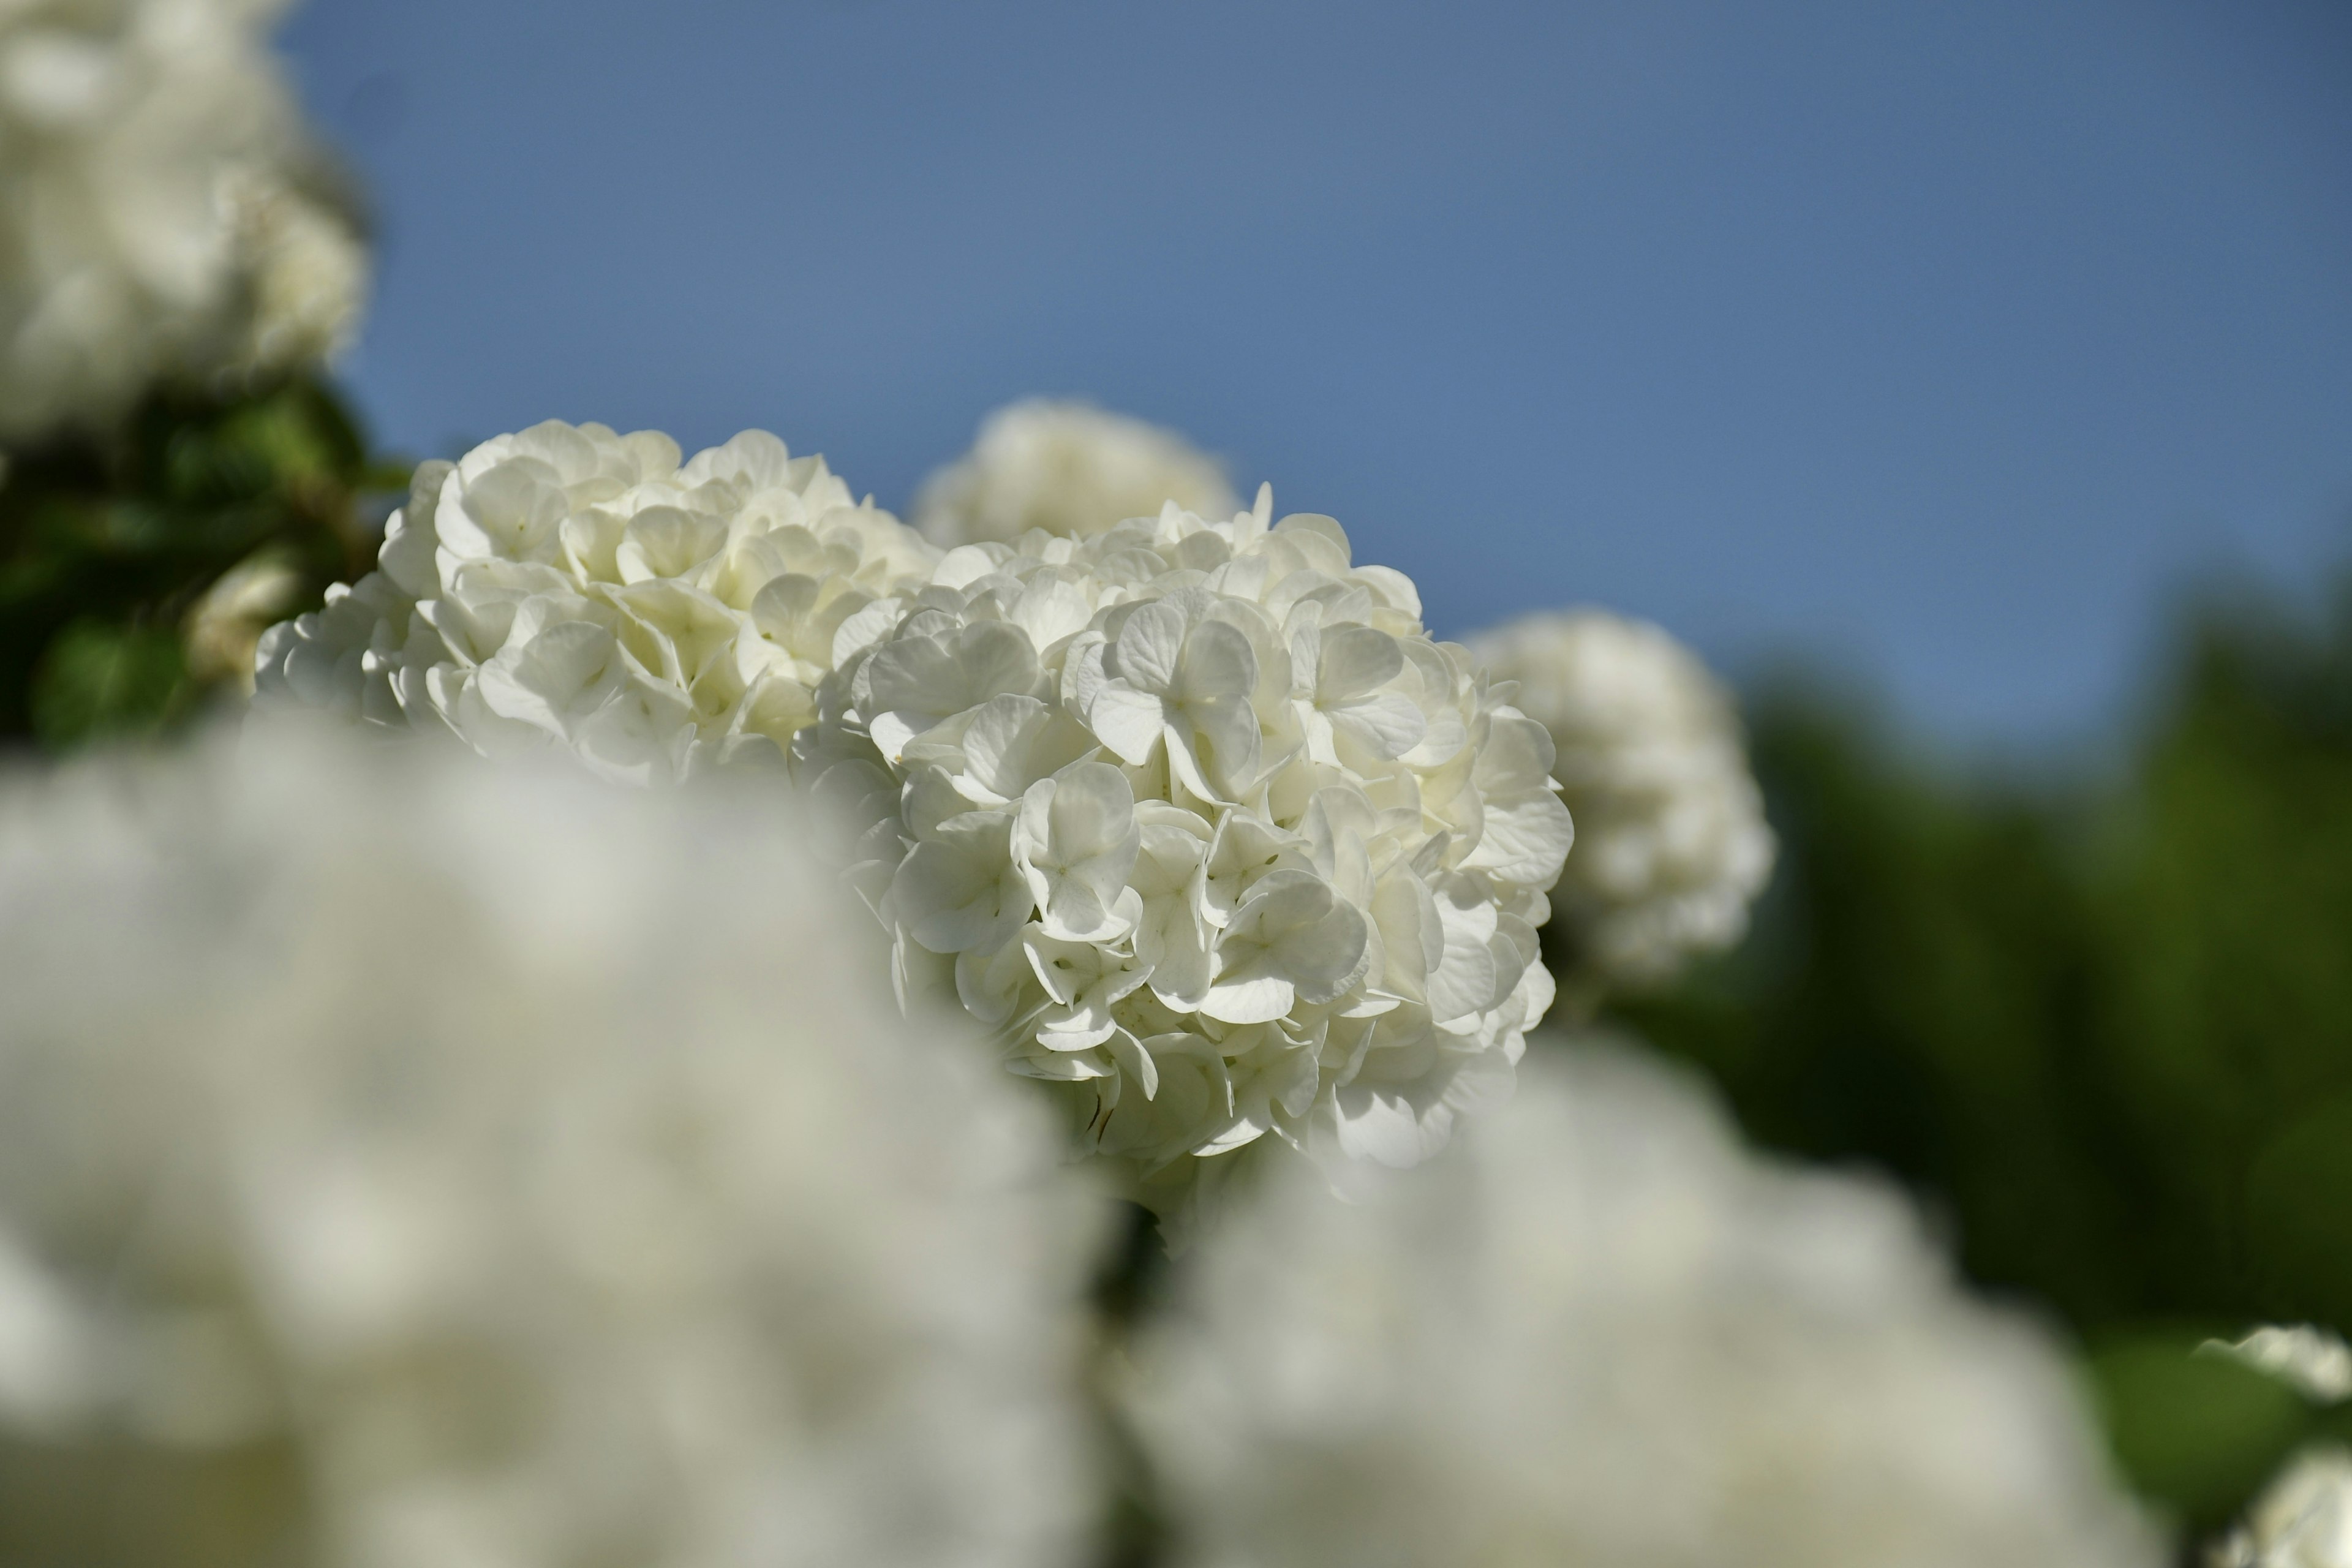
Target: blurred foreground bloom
<point>1601,1332</point>
<point>580,590</point>
<point>404,1162</point>
<point>1671,842</point>
<point>1069,468</point>
<point>158,209</point>
<point>1201,821</point>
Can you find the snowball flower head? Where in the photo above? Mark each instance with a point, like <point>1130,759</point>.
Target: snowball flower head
<point>159,214</point>
<point>1201,821</point>
<point>404,1162</point>
<point>1599,1331</point>
<point>1069,468</point>
<point>1671,842</point>
<point>2302,1519</point>
<point>2314,1362</point>
<point>308,271</point>
<point>572,588</point>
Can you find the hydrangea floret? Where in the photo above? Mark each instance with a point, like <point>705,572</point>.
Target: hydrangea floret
<point>1199,819</point>
<point>575,588</point>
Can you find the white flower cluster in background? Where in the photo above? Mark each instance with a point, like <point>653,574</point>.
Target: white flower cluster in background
<point>2303,1517</point>
<point>306,271</point>
<point>224,625</point>
<point>1599,1331</point>
<point>1671,841</point>
<point>576,589</point>
<point>1201,821</point>
<point>2314,1361</point>
<point>1069,468</point>
<point>407,1161</point>
<point>158,208</point>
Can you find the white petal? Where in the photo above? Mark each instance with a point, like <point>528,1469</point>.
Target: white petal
<point>1218,662</point>
<point>1149,645</point>
<point>1128,719</point>
<point>1387,724</point>
<point>1354,660</point>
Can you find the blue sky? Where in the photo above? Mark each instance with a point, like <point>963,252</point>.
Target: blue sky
<point>1941,342</point>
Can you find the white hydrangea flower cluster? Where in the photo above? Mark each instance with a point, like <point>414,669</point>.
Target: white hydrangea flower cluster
<point>1671,841</point>
<point>569,587</point>
<point>2302,1519</point>
<point>2314,1361</point>
<point>408,1162</point>
<point>1069,468</point>
<point>1600,1332</point>
<point>307,271</point>
<point>158,213</point>
<point>1199,818</point>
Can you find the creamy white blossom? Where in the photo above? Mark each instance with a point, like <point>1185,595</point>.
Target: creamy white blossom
<point>224,625</point>
<point>1600,1332</point>
<point>2314,1361</point>
<point>572,588</point>
<point>306,274</point>
<point>159,208</point>
<point>1671,841</point>
<point>406,1161</point>
<point>1201,821</point>
<point>2302,1519</point>
<point>1069,468</point>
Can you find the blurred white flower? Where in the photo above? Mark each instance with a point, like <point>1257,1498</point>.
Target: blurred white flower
<point>576,589</point>
<point>1201,821</point>
<point>225,625</point>
<point>2302,1519</point>
<point>307,272</point>
<point>1069,468</point>
<point>407,1161</point>
<point>1671,842</point>
<point>156,213</point>
<point>1599,1331</point>
<point>2314,1362</point>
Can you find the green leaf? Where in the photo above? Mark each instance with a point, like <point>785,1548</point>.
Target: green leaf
<point>2195,1432</point>
<point>98,680</point>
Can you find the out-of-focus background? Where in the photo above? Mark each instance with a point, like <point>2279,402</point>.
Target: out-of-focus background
<point>1940,341</point>
<point>1972,386</point>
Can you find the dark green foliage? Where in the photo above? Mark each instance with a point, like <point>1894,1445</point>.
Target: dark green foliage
<point>2105,1029</point>
<point>100,678</point>
<point>2201,1431</point>
<point>2230,922</point>
<point>106,545</point>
